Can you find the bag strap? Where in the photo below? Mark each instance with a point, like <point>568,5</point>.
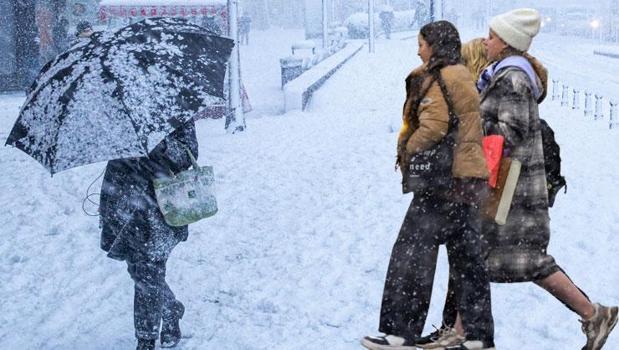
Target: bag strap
<point>194,163</point>
<point>436,76</point>
<point>419,98</point>
<point>453,117</point>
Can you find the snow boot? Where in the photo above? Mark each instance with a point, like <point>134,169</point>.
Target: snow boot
<point>599,326</point>
<point>170,334</point>
<point>146,344</point>
<point>388,342</point>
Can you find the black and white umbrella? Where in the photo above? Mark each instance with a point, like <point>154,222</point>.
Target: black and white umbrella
<point>119,94</point>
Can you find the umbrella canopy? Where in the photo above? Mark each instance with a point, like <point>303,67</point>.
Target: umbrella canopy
<point>119,94</point>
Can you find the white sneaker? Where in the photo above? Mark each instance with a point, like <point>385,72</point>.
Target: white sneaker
<point>387,342</point>
<point>472,345</point>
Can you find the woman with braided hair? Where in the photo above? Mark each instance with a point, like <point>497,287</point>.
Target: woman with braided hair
<point>439,87</point>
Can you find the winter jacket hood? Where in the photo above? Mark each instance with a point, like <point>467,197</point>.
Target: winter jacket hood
<point>536,72</point>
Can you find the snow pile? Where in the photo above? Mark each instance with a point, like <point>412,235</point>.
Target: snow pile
<point>303,44</point>
<point>298,91</point>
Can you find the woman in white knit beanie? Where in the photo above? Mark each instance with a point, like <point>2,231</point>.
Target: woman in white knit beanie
<point>517,28</point>
<point>510,90</point>
<point>509,107</point>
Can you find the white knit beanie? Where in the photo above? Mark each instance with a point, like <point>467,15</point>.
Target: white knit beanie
<point>517,27</point>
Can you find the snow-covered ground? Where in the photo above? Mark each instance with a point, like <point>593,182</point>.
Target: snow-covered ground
<point>309,209</point>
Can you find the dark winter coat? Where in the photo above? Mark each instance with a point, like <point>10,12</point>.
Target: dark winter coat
<point>517,250</point>
<point>131,221</point>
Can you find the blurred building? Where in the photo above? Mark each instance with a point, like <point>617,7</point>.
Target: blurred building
<point>34,32</point>
<point>18,42</point>
<point>300,13</point>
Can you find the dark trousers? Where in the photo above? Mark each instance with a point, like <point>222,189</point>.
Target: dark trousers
<point>430,222</point>
<point>153,298</point>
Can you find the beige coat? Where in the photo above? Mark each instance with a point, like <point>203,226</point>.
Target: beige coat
<point>426,125</point>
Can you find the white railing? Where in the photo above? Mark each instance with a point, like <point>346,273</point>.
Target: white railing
<point>596,109</point>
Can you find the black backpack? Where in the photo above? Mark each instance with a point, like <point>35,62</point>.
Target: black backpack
<point>552,162</point>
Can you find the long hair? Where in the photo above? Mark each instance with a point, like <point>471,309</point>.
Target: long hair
<point>474,56</point>
<point>444,39</point>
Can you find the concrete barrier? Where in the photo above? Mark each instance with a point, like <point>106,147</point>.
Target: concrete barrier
<point>607,53</point>
<point>298,92</point>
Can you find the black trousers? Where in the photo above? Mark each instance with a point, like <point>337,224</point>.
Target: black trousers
<point>430,222</point>
<point>153,298</point>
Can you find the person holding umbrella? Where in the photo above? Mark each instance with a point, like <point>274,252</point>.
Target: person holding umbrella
<point>134,230</point>
<point>120,98</point>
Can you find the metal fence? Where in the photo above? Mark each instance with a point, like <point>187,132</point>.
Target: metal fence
<point>574,98</point>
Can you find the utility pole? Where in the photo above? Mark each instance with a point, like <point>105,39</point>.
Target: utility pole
<point>442,9</point>
<point>235,119</point>
<point>371,25</point>
<point>267,10</point>
<point>325,25</point>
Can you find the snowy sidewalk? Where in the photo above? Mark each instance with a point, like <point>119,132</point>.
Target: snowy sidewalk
<point>309,209</point>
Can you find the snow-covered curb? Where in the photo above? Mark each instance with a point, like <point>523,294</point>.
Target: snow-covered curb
<point>613,54</point>
<point>298,91</point>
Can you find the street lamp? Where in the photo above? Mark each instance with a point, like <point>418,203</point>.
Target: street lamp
<point>595,26</point>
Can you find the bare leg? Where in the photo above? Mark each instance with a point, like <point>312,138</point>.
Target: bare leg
<point>559,285</point>
<point>458,325</point>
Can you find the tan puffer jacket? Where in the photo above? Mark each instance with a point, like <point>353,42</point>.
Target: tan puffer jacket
<point>427,125</point>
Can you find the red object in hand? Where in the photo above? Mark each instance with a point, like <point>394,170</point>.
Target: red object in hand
<point>493,150</point>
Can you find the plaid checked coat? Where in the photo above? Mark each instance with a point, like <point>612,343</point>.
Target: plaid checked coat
<point>517,250</point>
